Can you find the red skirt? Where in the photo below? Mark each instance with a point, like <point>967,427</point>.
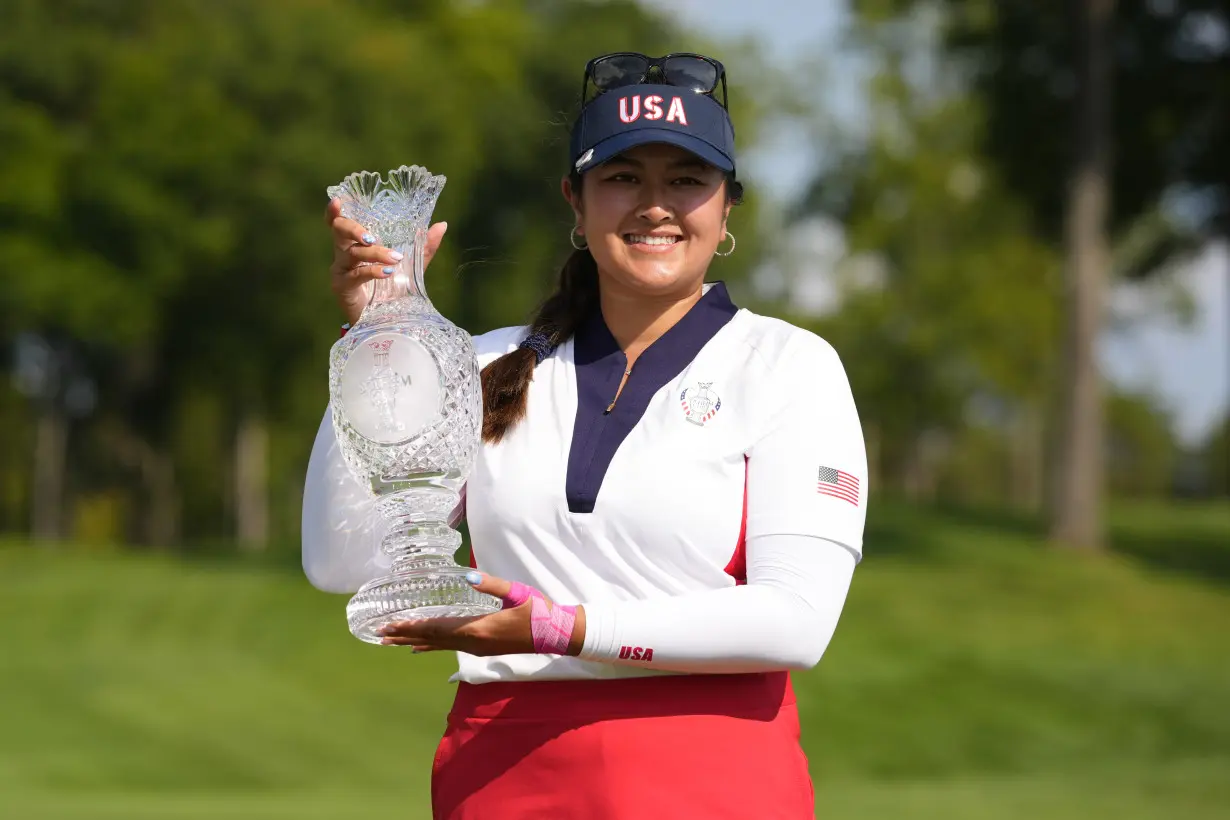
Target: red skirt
<point>685,746</point>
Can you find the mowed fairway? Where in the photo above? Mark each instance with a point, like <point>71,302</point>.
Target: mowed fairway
<point>974,675</point>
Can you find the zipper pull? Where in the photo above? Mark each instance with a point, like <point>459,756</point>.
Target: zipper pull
<point>611,406</point>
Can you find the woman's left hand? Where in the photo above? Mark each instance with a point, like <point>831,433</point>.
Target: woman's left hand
<point>507,632</point>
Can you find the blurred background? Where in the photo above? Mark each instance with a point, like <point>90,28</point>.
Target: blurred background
<point>1010,218</point>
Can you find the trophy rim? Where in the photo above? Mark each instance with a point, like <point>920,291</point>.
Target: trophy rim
<point>384,180</point>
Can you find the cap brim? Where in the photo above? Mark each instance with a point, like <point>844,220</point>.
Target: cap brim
<point>619,143</point>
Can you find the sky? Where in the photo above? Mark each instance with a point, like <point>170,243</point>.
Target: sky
<point>1188,366</point>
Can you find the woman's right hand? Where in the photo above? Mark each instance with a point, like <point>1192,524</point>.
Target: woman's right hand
<point>357,260</point>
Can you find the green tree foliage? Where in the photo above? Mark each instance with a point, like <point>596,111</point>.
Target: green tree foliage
<point>1171,66</point>
<point>959,303</point>
<point>1216,459</point>
<point>980,96</point>
<point>162,187</point>
<point>1141,452</point>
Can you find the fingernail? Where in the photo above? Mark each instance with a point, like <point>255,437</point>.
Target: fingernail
<point>368,238</point>
<point>445,226</point>
<point>386,642</point>
<point>389,271</point>
<point>396,256</point>
<point>474,578</point>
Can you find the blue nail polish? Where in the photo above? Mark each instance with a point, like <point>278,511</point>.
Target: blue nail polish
<point>474,577</point>
<point>368,238</point>
<point>388,271</point>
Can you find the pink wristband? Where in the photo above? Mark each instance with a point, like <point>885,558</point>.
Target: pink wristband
<point>551,628</point>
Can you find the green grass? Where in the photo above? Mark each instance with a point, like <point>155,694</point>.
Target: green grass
<point>975,674</point>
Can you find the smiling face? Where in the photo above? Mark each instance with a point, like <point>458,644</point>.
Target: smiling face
<point>653,217</point>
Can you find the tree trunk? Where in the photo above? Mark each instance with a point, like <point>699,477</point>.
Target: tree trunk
<point>50,454</point>
<point>1028,458</point>
<point>1076,507</point>
<point>161,516</point>
<point>921,475</point>
<point>162,513</point>
<point>872,443</point>
<point>252,482</point>
<point>911,471</point>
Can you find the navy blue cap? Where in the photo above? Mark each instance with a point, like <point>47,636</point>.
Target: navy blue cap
<point>633,115</point>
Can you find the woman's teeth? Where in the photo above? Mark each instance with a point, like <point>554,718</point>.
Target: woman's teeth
<point>634,239</point>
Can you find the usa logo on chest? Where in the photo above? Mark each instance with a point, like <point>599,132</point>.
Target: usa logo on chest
<point>699,403</point>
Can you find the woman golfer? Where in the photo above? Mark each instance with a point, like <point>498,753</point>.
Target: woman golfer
<point>670,497</point>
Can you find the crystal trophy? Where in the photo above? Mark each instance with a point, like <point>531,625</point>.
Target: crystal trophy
<point>407,412</point>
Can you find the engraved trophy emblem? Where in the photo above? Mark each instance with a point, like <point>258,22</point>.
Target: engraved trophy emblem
<point>381,388</point>
<point>406,406</point>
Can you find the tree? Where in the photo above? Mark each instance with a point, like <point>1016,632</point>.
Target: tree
<point>1142,455</point>
<point>1169,166</point>
<point>1076,506</point>
<point>946,300</point>
<point>1216,457</point>
<point>172,157</point>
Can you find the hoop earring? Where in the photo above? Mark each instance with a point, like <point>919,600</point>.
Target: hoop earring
<point>731,236</point>
<point>572,237</point>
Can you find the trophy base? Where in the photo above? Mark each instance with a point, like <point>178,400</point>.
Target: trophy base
<point>428,586</point>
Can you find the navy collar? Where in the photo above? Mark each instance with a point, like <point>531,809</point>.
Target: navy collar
<point>600,365</point>
<point>674,349</point>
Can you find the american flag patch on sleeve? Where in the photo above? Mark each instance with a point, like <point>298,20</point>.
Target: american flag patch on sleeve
<point>838,484</point>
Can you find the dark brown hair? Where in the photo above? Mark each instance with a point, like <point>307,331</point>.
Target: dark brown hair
<point>506,380</point>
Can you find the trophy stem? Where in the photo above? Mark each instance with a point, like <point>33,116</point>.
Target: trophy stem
<point>424,581</point>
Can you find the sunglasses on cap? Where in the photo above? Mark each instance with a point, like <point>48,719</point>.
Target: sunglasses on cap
<point>695,72</point>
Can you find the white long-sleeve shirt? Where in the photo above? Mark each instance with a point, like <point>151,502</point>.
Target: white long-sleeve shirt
<point>710,522</point>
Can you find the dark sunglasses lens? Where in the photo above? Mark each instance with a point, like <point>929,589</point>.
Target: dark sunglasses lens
<point>692,72</point>
<point>622,69</point>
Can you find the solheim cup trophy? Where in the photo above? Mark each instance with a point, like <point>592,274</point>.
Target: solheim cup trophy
<point>407,411</point>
